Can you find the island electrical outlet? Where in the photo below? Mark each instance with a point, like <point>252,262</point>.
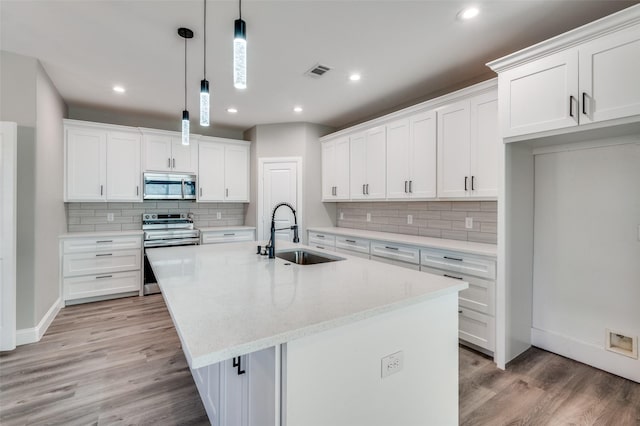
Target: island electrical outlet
<point>391,364</point>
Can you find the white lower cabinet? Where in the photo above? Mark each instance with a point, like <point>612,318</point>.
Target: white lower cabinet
<point>321,241</point>
<point>476,305</point>
<point>240,393</point>
<point>227,236</point>
<point>397,252</point>
<point>100,267</point>
<point>353,246</point>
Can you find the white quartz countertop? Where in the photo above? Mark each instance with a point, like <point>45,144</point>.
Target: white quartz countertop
<point>226,301</point>
<point>227,228</point>
<point>93,234</point>
<point>469,247</point>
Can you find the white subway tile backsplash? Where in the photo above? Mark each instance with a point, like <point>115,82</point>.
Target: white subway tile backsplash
<point>436,219</point>
<point>86,217</point>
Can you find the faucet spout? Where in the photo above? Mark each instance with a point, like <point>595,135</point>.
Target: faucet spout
<point>271,248</point>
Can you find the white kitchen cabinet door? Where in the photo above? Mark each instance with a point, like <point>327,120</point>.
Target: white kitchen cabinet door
<point>183,157</point>
<point>236,173</point>
<point>541,95</point>
<point>454,139</point>
<point>157,152</point>
<point>485,141</point>
<point>211,171</point>
<point>123,166</point>
<point>422,155</point>
<point>357,166</point>
<point>376,154</point>
<point>335,170</point>
<point>609,70</point>
<point>86,172</point>
<point>398,154</point>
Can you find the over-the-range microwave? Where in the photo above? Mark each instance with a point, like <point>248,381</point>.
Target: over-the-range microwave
<point>169,186</point>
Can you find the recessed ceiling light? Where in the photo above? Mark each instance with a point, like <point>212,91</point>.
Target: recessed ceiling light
<point>297,109</point>
<point>354,77</point>
<point>468,13</point>
<point>118,89</point>
<point>232,110</point>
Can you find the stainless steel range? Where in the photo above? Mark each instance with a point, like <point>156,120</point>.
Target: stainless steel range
<point>165,230</point>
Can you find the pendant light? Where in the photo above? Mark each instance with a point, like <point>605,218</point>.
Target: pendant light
<point>185,33</point>
<point>240,51</point>
<point>204,84</point>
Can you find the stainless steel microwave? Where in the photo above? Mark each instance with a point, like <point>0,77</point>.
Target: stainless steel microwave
<point>169,186</point>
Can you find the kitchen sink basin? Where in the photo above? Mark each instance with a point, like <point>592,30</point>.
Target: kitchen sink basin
<point>306,257</point>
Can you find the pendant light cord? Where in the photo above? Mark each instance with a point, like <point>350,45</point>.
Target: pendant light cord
<point>205,39</point>
<point>185,74</point>
<point>240,8</point>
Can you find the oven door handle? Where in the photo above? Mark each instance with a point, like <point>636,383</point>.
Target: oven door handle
<point>182,187</point>
<point>176,242</point>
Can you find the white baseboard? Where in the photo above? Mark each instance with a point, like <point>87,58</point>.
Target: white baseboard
<point>31,335</point>
<point>587,353</point>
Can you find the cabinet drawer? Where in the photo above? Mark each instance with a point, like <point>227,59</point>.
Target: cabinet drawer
<point>217,237</point>
<point>476,328</point>
<point>395,252</point>
<point>84,245</point>
<point>358,245</point>
<point>321,239</point>
<point>480,296</point>
<point>101,262</point>
<point>400,263</point>
<point>459,262</point>
<point>100,285</point>
<point>321,244</point>
<point>353,253</point>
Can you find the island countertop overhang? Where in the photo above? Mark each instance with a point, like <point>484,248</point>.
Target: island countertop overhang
<point>227,301</point>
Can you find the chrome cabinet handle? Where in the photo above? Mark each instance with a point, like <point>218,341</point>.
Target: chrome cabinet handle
<point>391,248</point>
<point>410,187</point>
<point>453,258</point>
<point>351,241</point>
<point>169,162</point>
<point>363,193</point>
<point>137,190</point>
<point>174,163</point>
<point>367,189</point>
<point>451,276</point>
<point>104,276</point>
<point>104,254</point>
<point>229,235</point>
<point>104,241</point>
<point>226,191</point>
<point>405,186</point>
<point>101,189</point>
<point>319,236</point>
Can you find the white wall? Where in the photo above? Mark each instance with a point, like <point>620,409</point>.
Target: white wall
<point>587,252</point>
<point>30,99</point>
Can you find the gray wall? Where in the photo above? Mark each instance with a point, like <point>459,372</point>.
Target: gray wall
<point>30,99</point>
<point>292,140</point>
<point>140,119</point>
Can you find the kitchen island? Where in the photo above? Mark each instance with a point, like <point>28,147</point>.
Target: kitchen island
<point>270,342</point>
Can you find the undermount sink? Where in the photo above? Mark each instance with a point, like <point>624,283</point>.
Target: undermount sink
<point>306,257</point>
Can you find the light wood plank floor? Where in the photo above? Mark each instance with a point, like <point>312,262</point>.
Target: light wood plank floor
<point>120,362</point>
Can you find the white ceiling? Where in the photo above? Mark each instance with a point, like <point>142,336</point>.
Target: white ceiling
<point>405,51</point>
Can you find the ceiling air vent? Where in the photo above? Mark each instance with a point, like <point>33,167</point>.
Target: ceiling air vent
<point>317,70</point>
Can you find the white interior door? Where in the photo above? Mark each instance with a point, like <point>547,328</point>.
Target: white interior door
<point>8,139</point>
<point>280,185</point>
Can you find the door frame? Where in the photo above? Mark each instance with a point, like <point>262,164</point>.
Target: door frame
<point>262,161</point>
<point>8,218</point>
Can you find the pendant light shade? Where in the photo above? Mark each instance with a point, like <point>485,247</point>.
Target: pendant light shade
<point>185,33</point>
<point>204,84</point>
<point>240,51</point>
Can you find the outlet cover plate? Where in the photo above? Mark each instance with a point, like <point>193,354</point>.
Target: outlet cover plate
<point>368,217</point>
<point>468,222</point>
<point>409,219</point>
<point>392,364</point>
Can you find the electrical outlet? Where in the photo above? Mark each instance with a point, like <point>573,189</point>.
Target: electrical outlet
<point>409,219</point>
<point>391,364</point>
<point>468,222</point>
<point>218,215</point>
<point>109,217</point>
<point>368,217</point>
<point>342,216</point>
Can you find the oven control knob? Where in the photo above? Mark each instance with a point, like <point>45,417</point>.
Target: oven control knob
<point>154,216</point>
<point>146,217</point>
<point>183,216</point>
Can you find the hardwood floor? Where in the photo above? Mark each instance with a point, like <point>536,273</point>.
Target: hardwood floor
<point>119,362</point>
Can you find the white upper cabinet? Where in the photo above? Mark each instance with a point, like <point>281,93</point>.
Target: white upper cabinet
<point>223,171</point>
<point>101,164</point>
<point>85,164</point>
<point>164,152</point>
<point>411,157</point>
<point>367,164</point>
<point>335,169</point>
<point>123,166</point>
<point>468,143</point>
<point>609,71</point>
<point>541,95</point>
<point>584,83</point>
